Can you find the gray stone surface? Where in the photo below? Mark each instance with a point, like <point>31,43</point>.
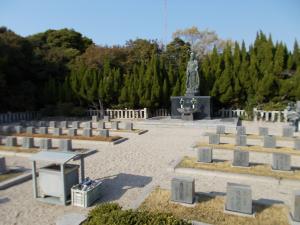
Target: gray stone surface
<point>269,141</point>
<point>183,190</point>
<point>281,161</point>
<point>241,130</point>
<point>101,125</point>
<point>241,140</point>
<point>192,76</point>
<point>288,131</point>
<point>115,125</point>
<point>45,143</point>
<point>19,129</point>
<point>128,126</point>
<point>214,139</point>
<point>239,198</point>
<point>53,124</point>
<point>87,132</point>
<point>262,131</point>
<point>71,219</point>
<point>75,124</point>
<point>104,133</point>
<point>295,207</point>
<point>30,130</point>
<point>297,144</point>
<point>2,165</point>
<point>43,130</point>
<point>64,124</point>
<point>27,142</point>
<point>11,141</point>
<point>88,125</point>
<point>57,131</point>
<point>65,145</point>
<point>6,129</point>
<point>72,132</point>
<point>95,119</point>
<point>220,129</point>
<point>205,154</point>
<point>106,118</point>
<point>240,158</point>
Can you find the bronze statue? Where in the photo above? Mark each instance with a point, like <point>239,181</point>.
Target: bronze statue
<point>192,76</point>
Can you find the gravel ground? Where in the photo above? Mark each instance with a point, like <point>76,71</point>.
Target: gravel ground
<point>127,169</point>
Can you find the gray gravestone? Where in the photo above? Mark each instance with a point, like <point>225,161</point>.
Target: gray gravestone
<point>240,158</point>
<point>11,141</point>
<point>214,139</point>
<point>45,143</point>
<point>297,144</point>
<point>106,119</point>
<point>281,161</point>
<point>239,198</point>
<point>262,131</point>
<point>53,124</point>
<point>6,129</point>
<point>72,132</point>
<point>220,129</point>
<point>183,190</point>
<point>64,124</point>
<point>19,129</point>
<point>75,124</point>
<point>295,209</point>
<point>205,154</point>
<point>57,131</point>
<point>101,125</point>
<point>128,126</point>
<point>88,125</point>
<point>104,133</point>
<point>241,140</point>
<point>269,141</point>
<point>65,145</point>
<point>27,142</point>
<point>30,130</point>
<point>95,119</point>
<point>115,125</point>
<point>43,130</point>
<point>288,131</point>
<point>241,130</point>
<point>2,165</point>
<point>87,132</point>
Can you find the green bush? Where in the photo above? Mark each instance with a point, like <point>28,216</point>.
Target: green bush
<point>112,214</point>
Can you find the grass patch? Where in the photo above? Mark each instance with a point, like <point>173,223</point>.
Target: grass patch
<point>10,174</point>
<point>210,210</point>
<point>18,149</point>
<point>225,166</point>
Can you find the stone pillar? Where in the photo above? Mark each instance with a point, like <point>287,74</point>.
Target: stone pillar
<point>183,190</point>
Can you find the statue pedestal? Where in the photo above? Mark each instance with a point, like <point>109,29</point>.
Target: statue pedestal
<point>204,106</point>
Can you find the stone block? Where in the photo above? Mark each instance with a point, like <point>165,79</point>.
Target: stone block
<point>241,140</point>
<point>269,141</point>
<point>27,142</point>
<point>220,129</point>
<point>65,145</point>
<point>115,125</point>
<point>128,126</point>
<point>72,132</point>
<point>104,133</point>
<point>101,125</point>
<point>239,198</point>
<point>95,119</point>
<point>88,125</point>
<point>106,118</point>
<point>297,144</point>
<point>87,132</point>
<point>183,190</point>
<point>57,131</point>
<point>30,130</point>
<point>45,144</point>
<point>19,129</point>
<point>240,158</point>
<point>295,207</point>
<point>75,125</point>
<point>281,161</point>
<point>11,141</point>
<point>43,130</point>
<point>288,131</point>
<point>2,165</point>
<point>205,154</point>
<point>53,124</point>
<point>6,129</point>
<point>214,139</point>
<point>64,124</point>
<point>241,130</point>
<point>262,131</point>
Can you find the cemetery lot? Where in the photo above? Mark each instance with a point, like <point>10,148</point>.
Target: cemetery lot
<point>127,170</point>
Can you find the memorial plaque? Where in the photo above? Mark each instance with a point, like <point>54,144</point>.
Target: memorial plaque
<point>43,130</point>
<point>281,161</point>
<point>183,190</point>
<point>57,131</point>
<point>262,131</point>
<point>115,125</point>
<point>53,124</point>
<point>2,165</point>
<point>72,132</point>
<point>101,125</point>
<point>104,133</point>
<point>269,141</point>
<point>128,126</point>
<point>87,132</point>
<point>75,125</point>
<point>88,125</point>
<point>295,209</point>
<point>220,129</point>
<point>240,158</point>
<point>288,131</point>
<point>241,140</point>
<point>11,141</point>
<point>65,145</point>
<point>27,142</point>
<point>64,124</point>
<point>205,154</point>
<point>214,139</point>
<point>239,198</point>
<point>241,130</point>
<point>30,130</point>
<point>297,144</point>
<point>45,144</point>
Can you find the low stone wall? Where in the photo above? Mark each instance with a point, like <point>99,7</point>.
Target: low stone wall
<point>17,116</point>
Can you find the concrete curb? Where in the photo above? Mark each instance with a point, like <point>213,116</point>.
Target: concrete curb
<point>16,180</point>
<point>141,198</point>
<point>173,164</point>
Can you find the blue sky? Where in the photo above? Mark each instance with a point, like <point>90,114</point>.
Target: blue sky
<point>116,21</point>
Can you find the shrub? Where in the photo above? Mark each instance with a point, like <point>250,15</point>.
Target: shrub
<point>112,214</point>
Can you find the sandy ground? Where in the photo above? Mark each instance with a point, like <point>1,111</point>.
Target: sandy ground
<point>127,169</point>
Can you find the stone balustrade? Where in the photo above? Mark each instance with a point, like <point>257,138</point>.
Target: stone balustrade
<point>17,116</point>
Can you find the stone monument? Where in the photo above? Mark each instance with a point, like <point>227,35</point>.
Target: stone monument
<point>204,154</point>
<point>295,209</point>
<point>191,106</point>
<point>183,190</point>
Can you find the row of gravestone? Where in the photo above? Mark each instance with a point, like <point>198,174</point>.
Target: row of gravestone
<point>268,141</point>
<point>287,131</point>
<point>238,196</point>
<point>43,143</point>
<point>280,161</point>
